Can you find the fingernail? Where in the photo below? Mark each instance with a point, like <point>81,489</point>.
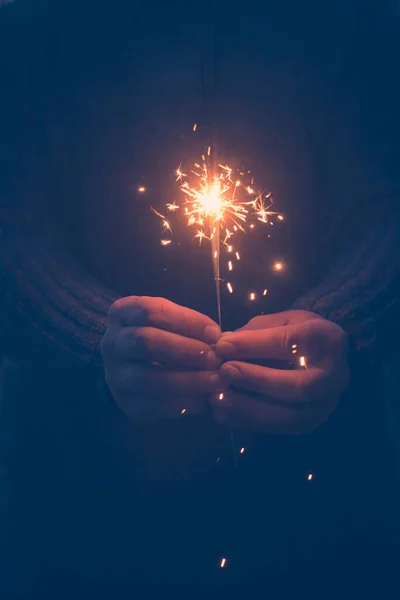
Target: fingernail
<point>212,360</point>
<point>212,333</point>
<point>230,372</point>
<point>216,382</point>
<point>225,348</point>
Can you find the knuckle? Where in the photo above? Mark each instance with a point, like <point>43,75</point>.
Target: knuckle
<point>107,344</point>
<point>255,320</point>
<point>155,309</point>
<point>141,304</point>
<point>286,341</point>
<point>116,309</point>
<point>140,344</point>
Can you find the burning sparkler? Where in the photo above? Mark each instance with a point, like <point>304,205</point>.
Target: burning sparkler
<point>218,203</point>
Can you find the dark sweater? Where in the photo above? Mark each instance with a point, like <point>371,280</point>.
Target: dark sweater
<point>79,95</point>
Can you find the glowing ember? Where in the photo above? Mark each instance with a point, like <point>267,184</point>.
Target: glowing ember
<point>142,189</point>
<point>222,564</point>
<point>309,476</point>
<point>302,361</point>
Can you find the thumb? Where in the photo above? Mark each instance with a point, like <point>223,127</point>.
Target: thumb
<point>267,344</point>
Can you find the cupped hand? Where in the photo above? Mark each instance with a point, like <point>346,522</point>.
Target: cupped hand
<point>158,358</point>
<point>294,400</point>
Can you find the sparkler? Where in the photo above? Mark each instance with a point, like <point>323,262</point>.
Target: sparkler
<point>218,203</point>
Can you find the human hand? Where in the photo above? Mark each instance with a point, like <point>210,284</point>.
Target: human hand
<point>158,358</point>
<point>276,400</point>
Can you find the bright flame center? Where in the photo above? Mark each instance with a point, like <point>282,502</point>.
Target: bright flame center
<point>211,201</point>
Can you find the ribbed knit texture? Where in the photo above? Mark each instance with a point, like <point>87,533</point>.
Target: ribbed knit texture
<point>359,293</point>
<point>50,308</point>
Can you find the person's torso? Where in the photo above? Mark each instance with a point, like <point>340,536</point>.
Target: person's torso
<point>119,92</point>
<point>118,89</point>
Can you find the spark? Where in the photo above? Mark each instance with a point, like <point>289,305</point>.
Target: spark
<point>278,266</point>
<point>141,189</point>
<point>166,242</point>
<point>242,450</point>
<point>195,127</point>
<point>222,564</point>
<point>252,296</point>
<point>309,476</point>
<point>302,361</point>
<point>183,411</point>
<point>230,288</point>
<point>265,292</point>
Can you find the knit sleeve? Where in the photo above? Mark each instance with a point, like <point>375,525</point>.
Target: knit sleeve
<point>360,292</point>
<point>50,308</point>
<point>360,288</point>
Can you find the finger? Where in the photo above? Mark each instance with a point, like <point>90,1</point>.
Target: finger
<point>251,412</point>
<point>316,338</point>
<point>135,311</point>
<point>273,344</point>
<point>157,345</point>
<point>290,386</point>
<point>159,382</point>
<point>266,321</point>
